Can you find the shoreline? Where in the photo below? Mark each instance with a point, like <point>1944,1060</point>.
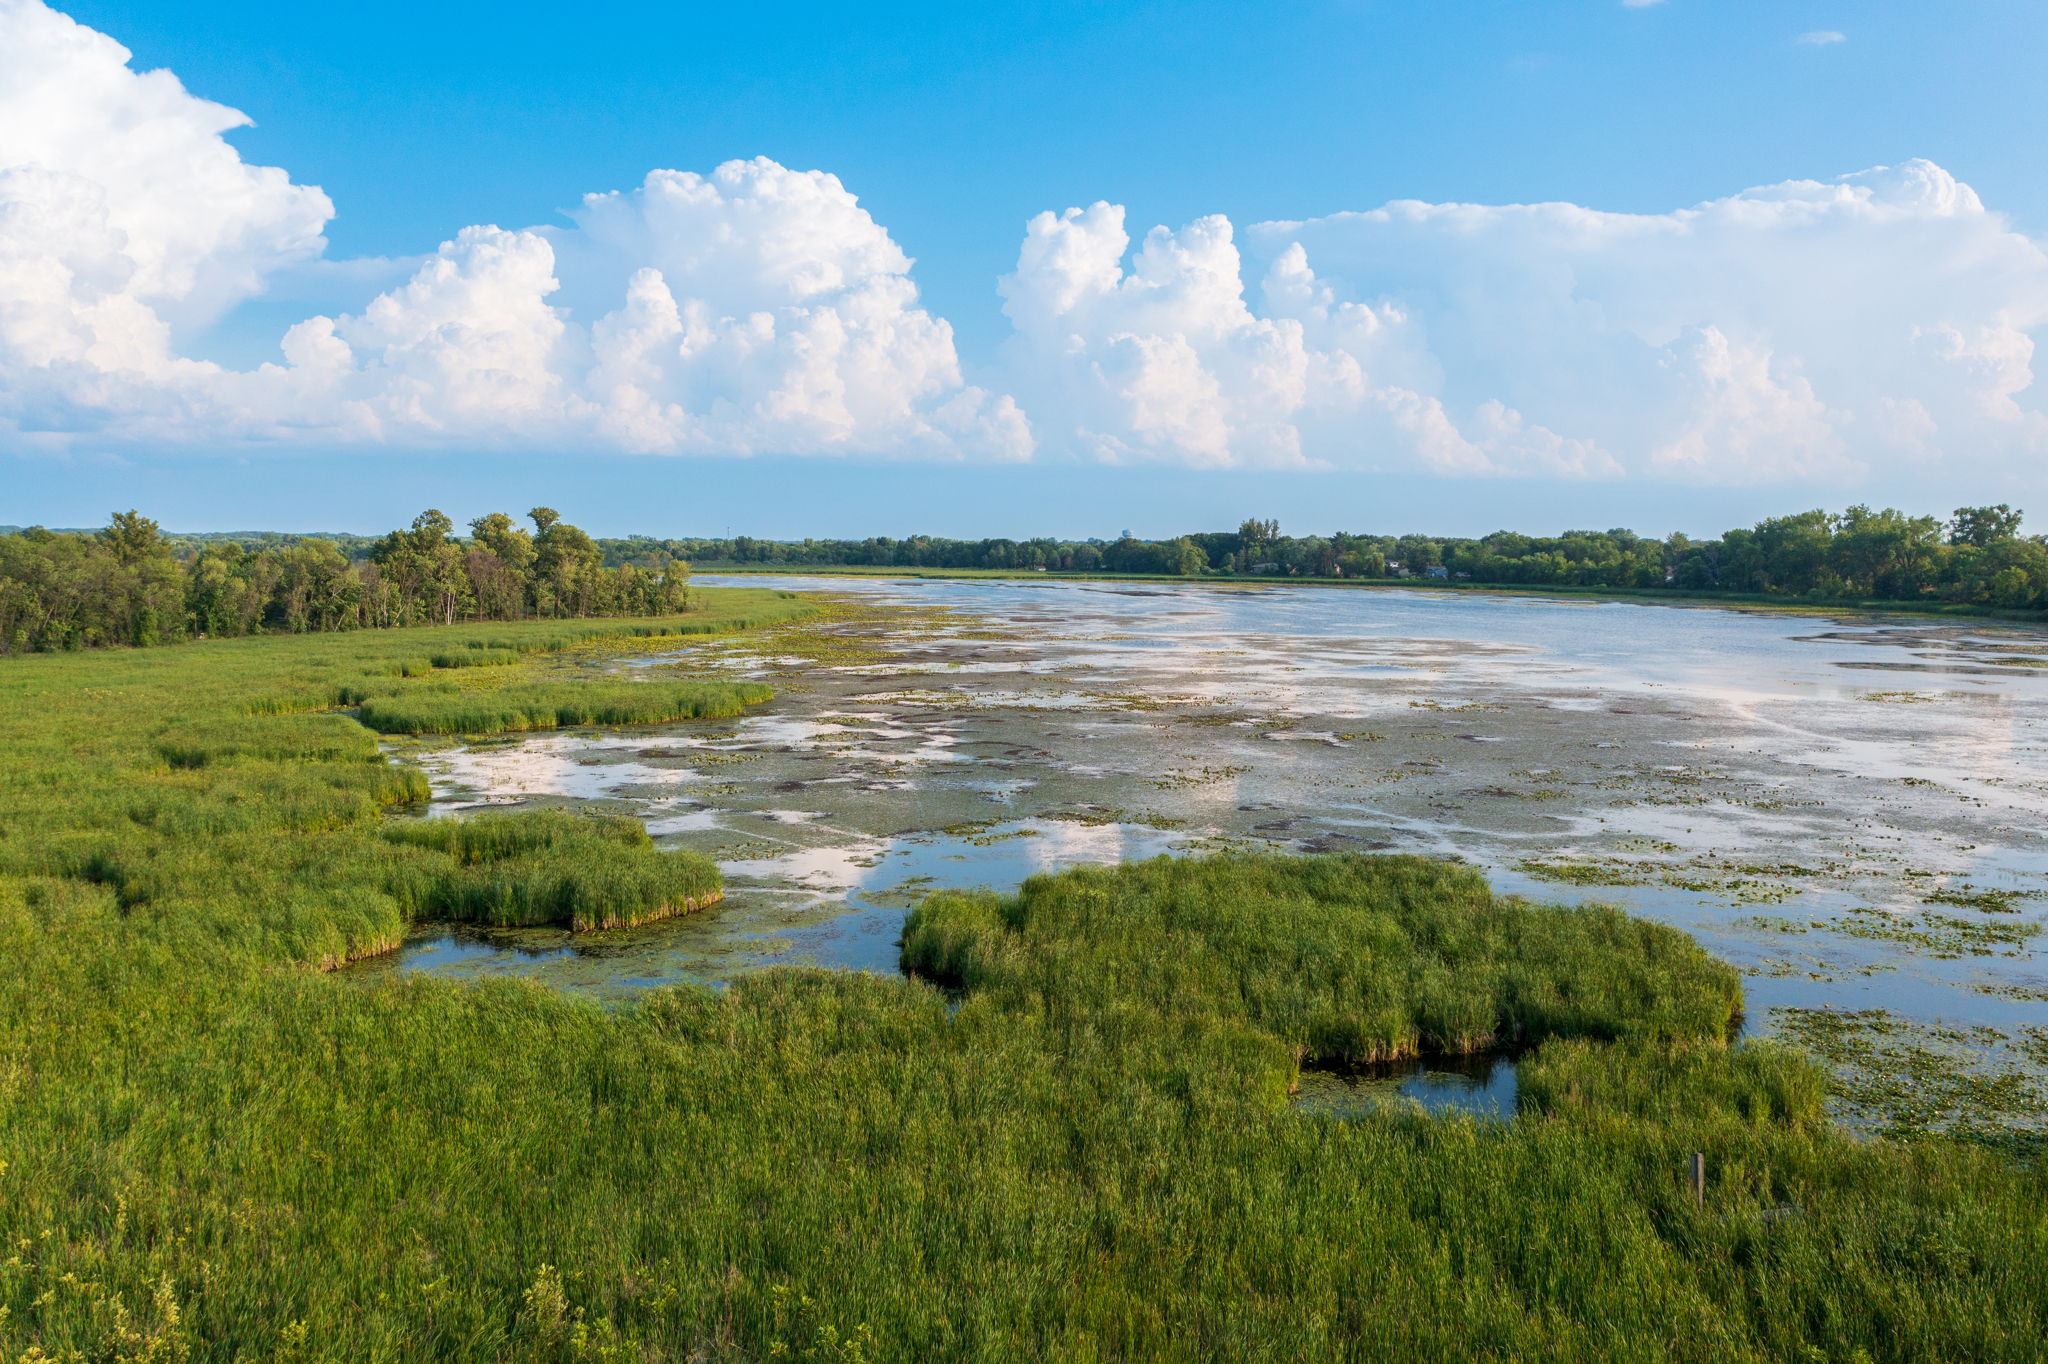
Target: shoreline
<point>1649,596</point>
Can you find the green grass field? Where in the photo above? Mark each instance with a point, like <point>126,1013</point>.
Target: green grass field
<point>1065,1136</point>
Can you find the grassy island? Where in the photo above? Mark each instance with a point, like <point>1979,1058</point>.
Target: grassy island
<point>1065,1133</point>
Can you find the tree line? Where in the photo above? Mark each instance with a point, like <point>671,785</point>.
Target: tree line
<point>1976,557</point>
<point>132,584</point>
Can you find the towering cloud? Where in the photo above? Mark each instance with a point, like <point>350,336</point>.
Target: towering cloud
<point>1876,326</point>
<point>1168,362</point>
<point>1801,330</point>
<point>754,309</point>
<point>124,217</point>
<point>764,309</point>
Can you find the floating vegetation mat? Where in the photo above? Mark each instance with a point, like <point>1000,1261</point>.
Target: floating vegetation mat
<point>1904,1077</point>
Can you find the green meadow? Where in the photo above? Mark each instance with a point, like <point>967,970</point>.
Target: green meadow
<point>1064,1133</point>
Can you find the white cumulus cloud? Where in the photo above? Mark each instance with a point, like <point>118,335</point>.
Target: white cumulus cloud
<point>756,309</point>
<point>1856,330</point>
<point>1167,361</point>
<point>124,218</point>
<point>1806,330</point>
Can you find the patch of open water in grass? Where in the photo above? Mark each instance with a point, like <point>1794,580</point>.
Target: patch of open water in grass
<point>1476,1086</point>
<point>1852,811</point>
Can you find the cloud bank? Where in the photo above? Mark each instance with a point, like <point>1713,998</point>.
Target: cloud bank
<point>1808,330</point>
<point>1873,325</point>
<point>754,309</point>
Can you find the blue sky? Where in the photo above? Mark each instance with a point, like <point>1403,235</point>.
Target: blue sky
<point>955,125</point>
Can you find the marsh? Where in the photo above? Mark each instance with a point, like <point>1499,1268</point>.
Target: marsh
<point>1849,810</point>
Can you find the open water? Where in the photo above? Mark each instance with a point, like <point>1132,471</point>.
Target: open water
<point>1854,811</point>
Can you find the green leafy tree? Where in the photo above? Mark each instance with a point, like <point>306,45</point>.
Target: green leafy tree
<point>1983,527</point>
<point>566,567</point>
<point>1883,553</point>
<point>1791,553</point>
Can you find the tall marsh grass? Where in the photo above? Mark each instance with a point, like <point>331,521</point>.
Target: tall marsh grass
<point>1085,1151</point>
<point>476,658</point>
<point>549,705</point>
<point>548,867</point>
<point>1347,959</point>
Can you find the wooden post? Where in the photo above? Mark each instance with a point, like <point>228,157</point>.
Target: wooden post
<point>1699,1179</point>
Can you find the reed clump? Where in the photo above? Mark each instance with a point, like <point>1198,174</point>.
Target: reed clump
<point>551,705</point>
<point>548,867</point>
<point>294,738</point>
<point>1347,959</point>
<point>482,657</point>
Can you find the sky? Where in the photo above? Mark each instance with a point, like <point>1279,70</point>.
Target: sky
<point>1021,269</point>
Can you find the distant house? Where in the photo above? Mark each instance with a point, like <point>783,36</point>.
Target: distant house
<point>1265,568</point>
<point>1436,571</point>
<point>1396,569</point>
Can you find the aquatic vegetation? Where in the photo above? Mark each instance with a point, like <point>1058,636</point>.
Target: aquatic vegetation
<point>1912,1079</point>
<point>1002,836</point>
<point>1942,936</point>
<point>209,1153</point>
<point>2011,990</point>
<point>1586,873</point>
<point>1805,965</point>
<point>1741,883</point>
<point>1764,923</point>
<point>479,657</point>
<point>1196,776</point>
<point>1345,958</point>
<point>548,867</point>
<point>839,633</point>
<point>1989,899</point>
<point>548,705</point>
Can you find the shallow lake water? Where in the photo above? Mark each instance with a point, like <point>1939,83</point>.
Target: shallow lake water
<point>1476,1086</point>
<point>1854,811</point>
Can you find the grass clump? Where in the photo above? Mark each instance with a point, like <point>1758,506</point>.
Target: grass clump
<point>295,738</point>
<point>494,837</point>
<point>475,658</point>
<point>1349,959</point>
<point>549,867</point>
<point>550,705</point>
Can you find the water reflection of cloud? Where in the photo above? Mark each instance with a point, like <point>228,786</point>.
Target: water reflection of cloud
<point>822,869</point>
<point>569,766</point>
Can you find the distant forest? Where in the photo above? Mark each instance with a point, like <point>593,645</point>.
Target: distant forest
<point>1977,557</point>
<point>131,583</point>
